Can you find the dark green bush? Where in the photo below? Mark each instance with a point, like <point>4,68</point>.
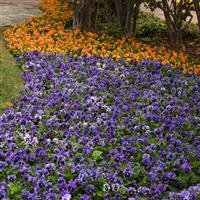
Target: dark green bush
<point>109,28</point>
<point>191,31</point>
<point>150,25</point>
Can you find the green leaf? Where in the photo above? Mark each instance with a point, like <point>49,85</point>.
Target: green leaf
<point>15,187</point>
<point>68,174</point>
<point>122,191</point>
<point>100,194</point>
<point>96,155</point>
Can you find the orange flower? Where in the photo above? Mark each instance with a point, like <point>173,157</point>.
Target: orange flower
<point>46,33</point>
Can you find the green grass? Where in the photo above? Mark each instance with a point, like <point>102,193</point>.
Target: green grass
<point>10,76</point>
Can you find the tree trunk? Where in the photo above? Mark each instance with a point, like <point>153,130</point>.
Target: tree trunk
<point>175,33</point>
<point>123,15</point>
<point>85,15</point>
<point>118,13</point>
<point>178,37</point>
<point>197,9</point>
<point>94,16</point>
<point>135,17</point>
<point>127,28</point>
<point>76,17</point>
<point>170,28</point>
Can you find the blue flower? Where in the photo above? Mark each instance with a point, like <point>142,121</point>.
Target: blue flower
<point>146,159</point>
<point>131,191</point>
<point>128,172</point>
<point>41,183</point>
<point>186,167</point>
<point>51,196</point>
<point>90,189</point>
<point>84,197</point>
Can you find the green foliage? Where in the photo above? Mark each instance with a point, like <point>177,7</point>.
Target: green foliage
<point>96,155</point>
<point>191,31</point>
<point>68,23</point>
<point>109,28</point>
<point>14,190</point>
<point>68,174</point>
<point>150,25</point>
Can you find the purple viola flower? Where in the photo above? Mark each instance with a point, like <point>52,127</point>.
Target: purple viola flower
<point>37,190</point>
<point>40,152</point>
<point>143,191</point>
<point>25,194</point>
<point>50,167</point>
<point>87,150</point>
<point>71,186</point>
<point>95,175</point>
<point>62,186</point>
<point>173,196</point>
<point>146,159</point>
<point>185,195</point>
<point>11,178</point>
<point>41,183</point>
<point>153,176</point>
<point>51,196</point>
<point>84,197</point>
<point>106,187</point>
<point>116,187</point>
<point>66,196</point>
<point>111,177</point>
<point>116,196</point>
<point>119,157</point>
<point>132,191</point>
<point>168,175</point>
<point>50,186</point>
<point>90,189</point>
<point>128,172</point>
<point>161,187</point>
<point>186,167</point>
<point>84,176</point>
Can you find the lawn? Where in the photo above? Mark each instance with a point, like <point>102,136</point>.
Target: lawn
<point>10,76</point>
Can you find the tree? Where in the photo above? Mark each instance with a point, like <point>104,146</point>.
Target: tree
<point>197,9</point>
<point>127,14</point>
<point>84,14</point>
<point>177,16</point>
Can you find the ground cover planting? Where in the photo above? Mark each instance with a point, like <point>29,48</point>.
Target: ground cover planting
<point>93,128</point>
<point>47,33</point>
<point>10,76</point>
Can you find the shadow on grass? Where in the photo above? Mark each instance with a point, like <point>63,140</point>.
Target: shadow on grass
<point>10,76</point>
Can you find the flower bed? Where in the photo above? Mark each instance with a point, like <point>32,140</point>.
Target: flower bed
<point>55,9</point>
<point>46,33</point>
<point>91,128</point>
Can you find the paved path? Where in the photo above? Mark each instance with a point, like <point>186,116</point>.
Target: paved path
<point>15,11</point>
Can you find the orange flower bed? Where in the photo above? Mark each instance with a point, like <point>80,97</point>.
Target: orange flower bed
<point>56,9</point>
<point>46,33</point>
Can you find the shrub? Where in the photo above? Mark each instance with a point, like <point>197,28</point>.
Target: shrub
<point>149,25</point>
